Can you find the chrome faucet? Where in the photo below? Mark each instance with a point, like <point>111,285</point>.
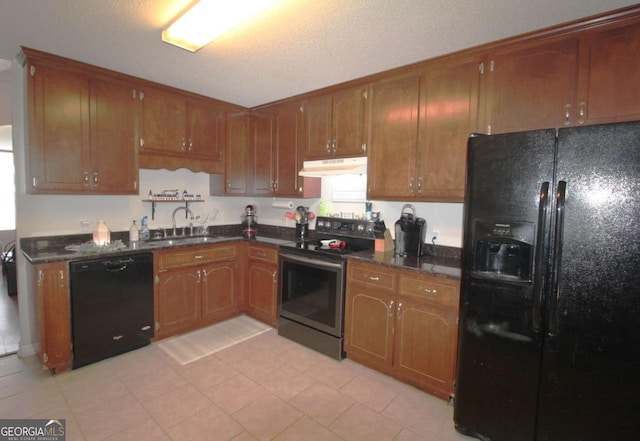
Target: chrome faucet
<point>173,217</point>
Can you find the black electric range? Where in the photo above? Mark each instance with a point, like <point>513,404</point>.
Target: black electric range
<point>312,283</point>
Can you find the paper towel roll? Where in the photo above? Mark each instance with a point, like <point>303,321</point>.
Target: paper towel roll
<point>285,205</point>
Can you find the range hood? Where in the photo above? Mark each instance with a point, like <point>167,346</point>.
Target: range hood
<point>326,167</point>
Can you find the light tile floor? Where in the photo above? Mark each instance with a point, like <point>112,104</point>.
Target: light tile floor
<point>266,388</point>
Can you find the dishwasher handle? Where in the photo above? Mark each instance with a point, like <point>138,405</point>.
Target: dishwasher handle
<point>118,268</point>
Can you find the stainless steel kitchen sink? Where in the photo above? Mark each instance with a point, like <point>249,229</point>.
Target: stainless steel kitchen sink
<point>177,241</point>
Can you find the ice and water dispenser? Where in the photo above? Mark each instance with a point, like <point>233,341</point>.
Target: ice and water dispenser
<point>503,251</point>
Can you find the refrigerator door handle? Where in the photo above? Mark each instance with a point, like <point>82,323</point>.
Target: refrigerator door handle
<point>543,206</point>
<point>552,328</point>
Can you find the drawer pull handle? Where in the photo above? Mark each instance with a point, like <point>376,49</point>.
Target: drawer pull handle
<point>430,291</point>
<point>373,278</point>
<point>199,256</point>
<point>118,337</point>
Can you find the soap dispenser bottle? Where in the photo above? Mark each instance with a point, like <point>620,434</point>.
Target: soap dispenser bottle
<point>134,233</point>
<point>144,229</point>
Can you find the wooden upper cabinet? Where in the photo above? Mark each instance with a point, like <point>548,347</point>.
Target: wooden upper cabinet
<point>114,155</point>
<point>608,82</point>
<point>333,125</point>
<point>81,132</point>
<point>163,122</point>
<point>234,179</point>
<point>288,122</point>
<point>275,155</point>
<point>263,154</point>
<point>207,130</point>
<point>530,86</point>
<point>58,107</point>
<point>178,130</point>
<point>419,126</point>
<point>393,137</point>
<point>449,114</point>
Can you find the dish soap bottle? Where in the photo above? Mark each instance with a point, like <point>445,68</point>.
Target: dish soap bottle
<point>101,235</point>
<point>144,229</point>
<point>134,233</point>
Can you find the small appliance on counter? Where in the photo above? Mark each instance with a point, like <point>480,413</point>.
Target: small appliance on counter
<point>249,222</point>
<point>302,216</point>
<point>410,233</point>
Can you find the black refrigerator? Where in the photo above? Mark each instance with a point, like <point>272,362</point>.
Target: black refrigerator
<point>549,329</point>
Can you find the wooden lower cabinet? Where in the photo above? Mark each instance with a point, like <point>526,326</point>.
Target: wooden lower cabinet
<point>404,324</point>
<point>262,283</point>
<point>195,287</point>
<point>52,292</point>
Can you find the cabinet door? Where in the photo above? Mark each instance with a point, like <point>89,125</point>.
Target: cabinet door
<point>207,130</point>
<point>450,94</point>
<point>262,292</point>
<point>235,163</point>
<point>178,300</point>
<point>287,126</point>
<point>609,75</point>
<point>425,344</point>
<point>163,122</point>
<point>219,287</point>
<point>369,322</point>
<point>262,154</point>
<point>348,123</point>
<point>55,328</point>
<point>531,86</point>
<point>317,121</point>
<point>59,157</point>
<point>393,136</point>
<point>114,164</point>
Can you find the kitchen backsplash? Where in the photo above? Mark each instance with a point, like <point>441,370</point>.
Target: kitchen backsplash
<point>61,214</point>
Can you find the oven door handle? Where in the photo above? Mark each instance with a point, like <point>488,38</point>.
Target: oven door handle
<point>313,261</point>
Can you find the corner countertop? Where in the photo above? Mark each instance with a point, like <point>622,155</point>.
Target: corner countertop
<point>442,261</point>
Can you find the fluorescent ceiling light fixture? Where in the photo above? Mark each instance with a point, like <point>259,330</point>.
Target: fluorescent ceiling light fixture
<point>206,20</point>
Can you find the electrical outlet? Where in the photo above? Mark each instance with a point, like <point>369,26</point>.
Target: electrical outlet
<point>85,225</point>
<point>434,235</point>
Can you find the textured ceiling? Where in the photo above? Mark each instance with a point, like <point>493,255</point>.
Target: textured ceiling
<point>302,45</point>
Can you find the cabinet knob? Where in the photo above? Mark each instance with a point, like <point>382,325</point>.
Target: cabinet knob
<point>85,178</point>
<point>95,179</point>
<point>400,311</point>
<point>567,114</point>
<point>391,303</point>
<point>334,146</point>
<point>183,145</point>
<point>328,146</point>
<point>420,185</point>
<point>190,144</point>
<point>582,110</point>
<point>410,185</point>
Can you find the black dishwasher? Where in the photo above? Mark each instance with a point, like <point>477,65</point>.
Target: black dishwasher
<point>111,306</point>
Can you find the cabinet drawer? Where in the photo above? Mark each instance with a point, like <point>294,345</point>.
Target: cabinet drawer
<point>194,256</point>
<point>378,276</point>
<point>435,289</point>
<point>265,254</point>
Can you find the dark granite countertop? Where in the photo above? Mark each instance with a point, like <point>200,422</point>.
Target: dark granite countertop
<point>443,261</point>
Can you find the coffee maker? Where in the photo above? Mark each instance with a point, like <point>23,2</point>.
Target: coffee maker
<point>410,233</point>
<point>249,222</point>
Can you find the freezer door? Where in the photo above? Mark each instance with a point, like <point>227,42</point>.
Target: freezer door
<point>590,378</point>
<point>500,335</point>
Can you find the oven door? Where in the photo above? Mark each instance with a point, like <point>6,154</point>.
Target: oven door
<point>312,292</point>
